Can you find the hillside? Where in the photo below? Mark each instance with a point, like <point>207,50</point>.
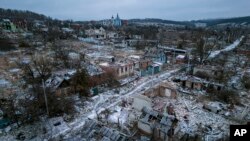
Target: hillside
<point>153,20</point>
<point>28,15</point>
<point>21,14</point>
<point>209,22</point>
<point>237,20</point>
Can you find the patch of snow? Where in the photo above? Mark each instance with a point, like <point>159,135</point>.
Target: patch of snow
<point>134,56</point>
<point>15,70</point>
<point>104,64</point>
<point>57,126</point>
<point>74,56</point>
<point>180,57</point>
<point>120,115</point>
<point>4,82</point>
<point>228,48</point>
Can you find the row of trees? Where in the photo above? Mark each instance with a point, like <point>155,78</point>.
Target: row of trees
<point>149,32</point>
<point>21,14</point>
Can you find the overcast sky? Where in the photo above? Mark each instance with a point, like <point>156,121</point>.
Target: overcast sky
<point>127,9</point>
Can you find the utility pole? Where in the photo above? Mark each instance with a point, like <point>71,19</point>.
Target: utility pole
<point>174,59</point>
<point>189,53</point>
<point>45,97</point>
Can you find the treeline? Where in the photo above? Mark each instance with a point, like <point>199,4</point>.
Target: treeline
<point>149,32</point>
<point>227,20</point>
<point>22,14</point>
<point>160,21</point>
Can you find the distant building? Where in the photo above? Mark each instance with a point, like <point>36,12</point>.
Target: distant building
<point>200,24</point>
<point>96,33</point>
<point>156,55</point>
<point>117,22</point>
<point>6,24</point>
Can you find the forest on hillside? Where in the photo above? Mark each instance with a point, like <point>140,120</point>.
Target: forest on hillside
<point>21,14</point>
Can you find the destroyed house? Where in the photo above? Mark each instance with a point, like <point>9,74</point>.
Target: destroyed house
<point>211,71</point>
<point>111,134</point>
<point>195,83</point>
<point>125,69</point>
<point>121,69</point>
<point>93,70</point>
<point>181,59</point>
<point>144,64</point>
<point>168,90</point>
<point>156,55</point>
<point>173,51</point>
<point>120,43</point>
<point>96,33</point>
<point>97,75</point>
<point>59,82</point>
<point>112,35</point>
<point>159,127</point>
<point>147,67</point>
<point>94,130</point>
<point>152,62</point>
<point>165,89</point>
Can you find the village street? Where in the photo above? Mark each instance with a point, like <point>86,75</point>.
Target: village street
<point>103,104</point>
<point>141,86</point>
<point>109,99</point>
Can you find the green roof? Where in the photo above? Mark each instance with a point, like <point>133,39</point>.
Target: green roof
<point>4,123</point>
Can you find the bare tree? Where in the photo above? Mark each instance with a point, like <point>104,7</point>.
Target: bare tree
<point>203,47</point>
<point>183,37</point>
<point>38,69</point>
<point>61,54</point>
<point>43,66</point>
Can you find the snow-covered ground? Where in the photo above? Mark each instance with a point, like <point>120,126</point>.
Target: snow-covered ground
<point>106,103</point>
<point>228,48</point>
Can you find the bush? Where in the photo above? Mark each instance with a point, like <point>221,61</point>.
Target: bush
<point>246,81</point>
<point>202,75</point>
<point>23,44</point>
<point>6,45</point>
<point>32,109</point>
<point>60,105</point>
<point>80,83</point>
<point>228,96</point>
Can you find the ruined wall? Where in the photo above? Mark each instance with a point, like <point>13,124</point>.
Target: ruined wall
<point>145,128</point>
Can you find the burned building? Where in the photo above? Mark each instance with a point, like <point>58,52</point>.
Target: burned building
<point>157,126</point>
<point>195,83</point>
<point>93,130</point>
